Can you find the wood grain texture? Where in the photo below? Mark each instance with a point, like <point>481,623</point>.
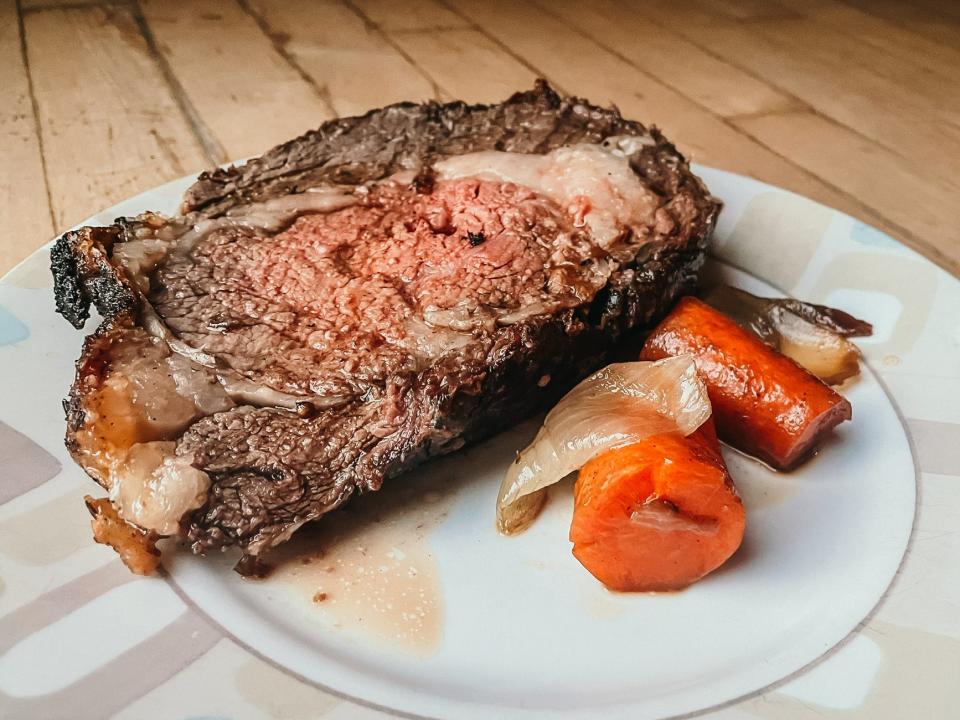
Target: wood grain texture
<point>109,125</point>
<point>409,15</point>
<point>451,56</point>
<point>805,56</point>
<point>892,37</point>
<point>928,22</point>
<point>39,4</point>
<point>248,95</point>
<point>443,45</point>
<point>854,103</point>
<point>337,48</point>
<point>713,83</point>
<point>24,208</point>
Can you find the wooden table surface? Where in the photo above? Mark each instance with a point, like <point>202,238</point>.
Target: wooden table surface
<point>855,104</point>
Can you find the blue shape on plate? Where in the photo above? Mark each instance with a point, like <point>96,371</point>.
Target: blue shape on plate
<point>11,329</point>
<point>866,235</point>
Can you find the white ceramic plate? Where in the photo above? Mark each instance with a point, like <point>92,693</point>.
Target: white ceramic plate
<point>481,626</point>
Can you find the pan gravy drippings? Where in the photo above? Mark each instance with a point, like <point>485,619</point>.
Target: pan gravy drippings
<point>369,569</point>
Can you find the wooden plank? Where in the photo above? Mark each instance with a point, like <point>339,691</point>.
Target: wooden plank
<point>35,4</point>
<point>248,95</point>
<point>836,41</point>
<point>699,75</point>
<point>935,10</point>
<point>24,207</point>
<point>452,57</point>
<point>355,64</point>
<point>878,76</point>
<point>921,21</point>
<point>750,10</point>
<point>944,7</point>
<point>410,14</point>
<point>110,126</point>
<point>907,46</point>
<point>836,78</point>
<point>874,175</point>
<point>880,71</point>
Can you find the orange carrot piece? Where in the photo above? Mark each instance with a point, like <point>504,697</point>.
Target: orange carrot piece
<point>658,514</point>
<point>764,403</point>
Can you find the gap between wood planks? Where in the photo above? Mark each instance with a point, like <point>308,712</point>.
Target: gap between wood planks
<point>32,6</point>
<point>36,118</point>
<point>212,148</point>
<point>280,48</point>
<point>438,93</point>
<point>356,62</point>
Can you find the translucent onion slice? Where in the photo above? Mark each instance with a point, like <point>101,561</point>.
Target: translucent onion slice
<point>829,356</point>
<point>815,336</point>
<point>618,405</point>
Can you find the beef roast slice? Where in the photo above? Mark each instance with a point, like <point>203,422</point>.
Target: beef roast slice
<point>290,364</point>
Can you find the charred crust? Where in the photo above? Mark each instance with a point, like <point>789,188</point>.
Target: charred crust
<point>70,295</point>
<point>83,275</point>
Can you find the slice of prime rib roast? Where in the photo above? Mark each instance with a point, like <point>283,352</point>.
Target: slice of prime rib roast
<point>377,292</point>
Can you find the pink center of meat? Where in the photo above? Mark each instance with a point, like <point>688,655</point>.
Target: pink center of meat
<point>468,239</point>
<point>352,295</point>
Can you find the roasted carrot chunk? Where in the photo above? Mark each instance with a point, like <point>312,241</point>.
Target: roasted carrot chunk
<point>656,515</point>
<point>764,403</point>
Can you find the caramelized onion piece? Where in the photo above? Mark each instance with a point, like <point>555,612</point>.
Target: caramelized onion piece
<point>621,404</point>
<point>838,321</point>
<point>814,336</point>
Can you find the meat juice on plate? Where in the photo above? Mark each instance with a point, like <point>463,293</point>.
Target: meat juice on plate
<point>369,569</point>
